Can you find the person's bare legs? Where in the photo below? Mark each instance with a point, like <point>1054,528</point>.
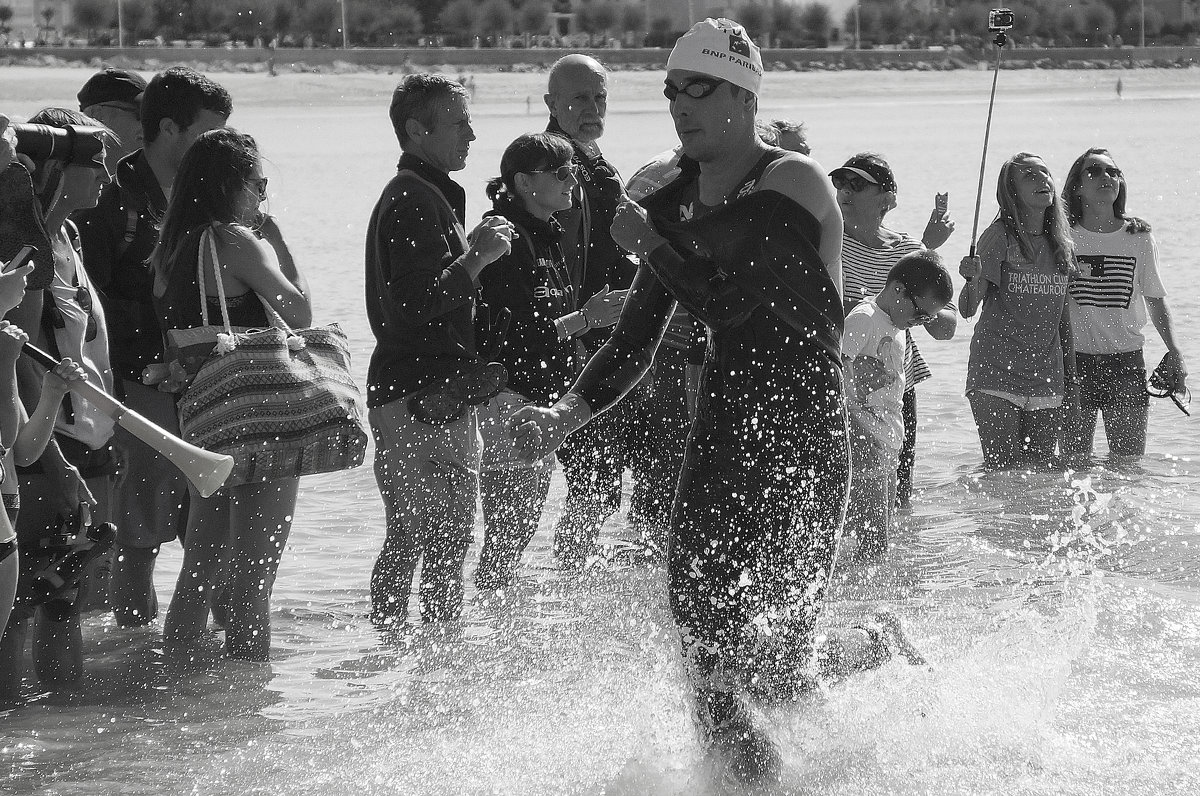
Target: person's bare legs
<point>131,586</point>
<point>203,552</point>
<point>999,423</point>
<point>261,523</point>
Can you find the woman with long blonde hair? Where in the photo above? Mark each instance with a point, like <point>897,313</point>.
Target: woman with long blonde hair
<point>1021,361</point>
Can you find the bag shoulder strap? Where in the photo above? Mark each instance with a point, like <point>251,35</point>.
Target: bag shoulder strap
<point>209,235</point>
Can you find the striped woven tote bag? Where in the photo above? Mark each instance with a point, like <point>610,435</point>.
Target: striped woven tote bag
<point>281,402</point>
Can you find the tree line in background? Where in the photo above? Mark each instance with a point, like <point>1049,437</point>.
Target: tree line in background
<point>391,23</point>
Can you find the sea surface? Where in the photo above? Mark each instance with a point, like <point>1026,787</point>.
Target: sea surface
<point>1060,611</point>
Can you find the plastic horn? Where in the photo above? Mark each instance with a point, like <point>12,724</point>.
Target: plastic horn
<point>1000,40</point>
<point>206,470</point>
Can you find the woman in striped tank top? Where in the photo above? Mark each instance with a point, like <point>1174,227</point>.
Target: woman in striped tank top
<point>866,191</point>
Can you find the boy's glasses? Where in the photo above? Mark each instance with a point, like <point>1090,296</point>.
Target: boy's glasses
<point>696,89</point>
<point>919,315</point>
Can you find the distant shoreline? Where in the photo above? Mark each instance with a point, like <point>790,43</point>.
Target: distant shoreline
<point>536,60</point>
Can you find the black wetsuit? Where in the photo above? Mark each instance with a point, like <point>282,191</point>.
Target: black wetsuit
<point>762,494</point>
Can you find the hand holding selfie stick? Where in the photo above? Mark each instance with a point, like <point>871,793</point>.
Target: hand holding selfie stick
<point>206,470</point>
<point>1000,21</point>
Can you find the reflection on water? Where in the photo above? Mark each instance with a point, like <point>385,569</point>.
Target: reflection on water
<point>1060,614</point>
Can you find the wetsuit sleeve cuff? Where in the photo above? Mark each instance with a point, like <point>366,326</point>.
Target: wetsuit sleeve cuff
<point>573,411</point>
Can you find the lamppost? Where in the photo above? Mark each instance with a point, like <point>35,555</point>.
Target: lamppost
<point>857,28</point>
<point>345,33</point>
<point>1143,41</point>
<point>120,27</point>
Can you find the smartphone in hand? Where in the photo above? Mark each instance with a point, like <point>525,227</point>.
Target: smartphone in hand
<point>19,259</point>
<point>941,203</point>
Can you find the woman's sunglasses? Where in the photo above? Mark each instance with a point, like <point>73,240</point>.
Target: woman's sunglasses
<point>853,182</point>
<point>561,173</point>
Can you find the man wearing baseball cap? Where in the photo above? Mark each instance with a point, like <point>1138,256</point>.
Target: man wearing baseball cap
<point>747,238</point>
<point>119,234</point>
<point>114,97</point>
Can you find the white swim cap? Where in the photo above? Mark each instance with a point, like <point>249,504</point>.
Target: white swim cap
<point>721,48</point>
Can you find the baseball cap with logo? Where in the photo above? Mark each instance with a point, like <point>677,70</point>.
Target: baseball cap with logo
<point>721,48</point>
<point>871,168</point>
<point>112,85</point>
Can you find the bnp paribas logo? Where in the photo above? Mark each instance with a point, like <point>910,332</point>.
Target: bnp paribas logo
<point>739,46</point>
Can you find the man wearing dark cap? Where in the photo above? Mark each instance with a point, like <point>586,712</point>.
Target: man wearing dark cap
<point>114,97</point>
<point>150,505</point>
<point>747,238</point>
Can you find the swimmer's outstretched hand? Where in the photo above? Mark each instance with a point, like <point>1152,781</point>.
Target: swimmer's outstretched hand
<point>633,232</point>
<point>537,431</point>
<point>604,308</point>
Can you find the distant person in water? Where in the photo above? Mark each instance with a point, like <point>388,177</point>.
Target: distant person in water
<point>747,238</point>
<point>1118,287</point>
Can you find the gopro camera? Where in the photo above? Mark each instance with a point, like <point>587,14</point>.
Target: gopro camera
<point>1000,20</point>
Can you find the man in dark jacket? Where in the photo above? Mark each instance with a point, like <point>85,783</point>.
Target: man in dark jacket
<point>119,234</point>
<point>422,272</point>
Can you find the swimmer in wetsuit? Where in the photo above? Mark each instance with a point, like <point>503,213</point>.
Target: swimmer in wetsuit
<point>747,238</point>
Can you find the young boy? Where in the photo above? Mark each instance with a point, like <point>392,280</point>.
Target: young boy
<point>917,288</point>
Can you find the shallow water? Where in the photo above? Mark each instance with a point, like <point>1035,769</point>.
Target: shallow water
<point>1061,613</point>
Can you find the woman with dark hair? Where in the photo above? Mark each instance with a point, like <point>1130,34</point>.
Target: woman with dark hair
<point>540,352</point>
<point>1118,285</point>
<point>68,485</point>
<point>217,193</point>
<point>1021,361</point>
<point>866,193</point>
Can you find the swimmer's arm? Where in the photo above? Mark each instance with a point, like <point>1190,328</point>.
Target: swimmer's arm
<point>801,179</point>
<point>611,372</point>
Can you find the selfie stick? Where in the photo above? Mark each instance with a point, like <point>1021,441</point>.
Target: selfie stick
<point>1000,40</point>
<point>206,470</point>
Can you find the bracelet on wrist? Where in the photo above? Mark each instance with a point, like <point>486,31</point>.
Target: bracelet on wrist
<point>587,322</point>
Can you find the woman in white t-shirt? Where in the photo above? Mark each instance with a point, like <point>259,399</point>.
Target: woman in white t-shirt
<point>1117,287</point>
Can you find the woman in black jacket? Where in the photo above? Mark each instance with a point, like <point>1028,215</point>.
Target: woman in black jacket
<point>541,352</point>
